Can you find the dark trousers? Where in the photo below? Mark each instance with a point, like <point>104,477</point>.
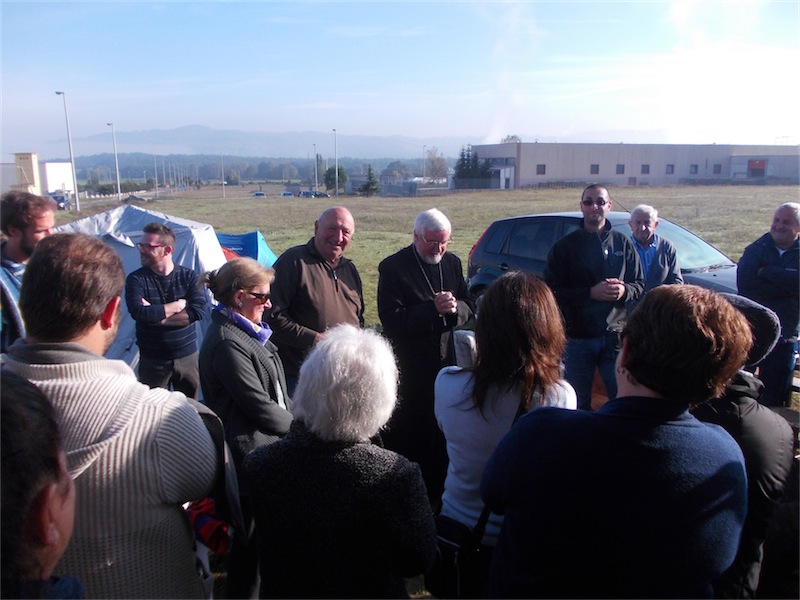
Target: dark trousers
<point>776,372</point>
<point>244,579</point>
<point>182,374</point>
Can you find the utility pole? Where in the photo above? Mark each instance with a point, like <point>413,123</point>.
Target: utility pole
<point>336,160</point>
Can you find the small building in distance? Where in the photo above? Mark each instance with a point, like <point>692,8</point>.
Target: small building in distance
<point>29,175</point>
<point>521,164</point>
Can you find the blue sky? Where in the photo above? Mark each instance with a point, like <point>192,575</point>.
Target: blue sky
<point>676,72</point>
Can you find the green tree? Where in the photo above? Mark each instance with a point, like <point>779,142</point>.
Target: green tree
<point>396,171</point>
<point>470,172</point>
<point>231,177</point>
<point>262,170</point>
<point>250,172</point>
<point>371,187</point>
<point>330,177</point>
<point>288,171</point>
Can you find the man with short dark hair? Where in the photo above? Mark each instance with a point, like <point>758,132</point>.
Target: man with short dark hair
<point>769,273</point>
<point>593,272</point>
<point>25,219</point>
<point>136,454</point>
<point>316,287</point>
<point>165,301</point>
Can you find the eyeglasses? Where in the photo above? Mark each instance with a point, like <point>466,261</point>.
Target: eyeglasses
<point>598,202</point>
<point>149,247</point>
<point>262,298</point>
<point>435,244</point>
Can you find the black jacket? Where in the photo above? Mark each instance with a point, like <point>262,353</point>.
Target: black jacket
<point>337,519</point>
<point>582,259</point>
<point>239,378</point>
<point>772,279</point>
<point>767,445</point>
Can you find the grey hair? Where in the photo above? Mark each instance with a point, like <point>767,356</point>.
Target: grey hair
<point>347,388</point>
<point>792,206</point>
<point>646,209</point>
<point>431,220</point>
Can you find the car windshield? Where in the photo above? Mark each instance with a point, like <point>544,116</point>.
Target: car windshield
<point>694,254</point>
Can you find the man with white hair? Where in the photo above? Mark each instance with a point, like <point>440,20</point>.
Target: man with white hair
<point>422,297</point>
<point>657,255</point>
<point>769,273</point>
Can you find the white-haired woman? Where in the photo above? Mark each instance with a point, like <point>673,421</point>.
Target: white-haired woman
<point>336,515</point>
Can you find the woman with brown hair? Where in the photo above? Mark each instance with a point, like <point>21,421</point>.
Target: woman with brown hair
<point>520,341</point>
<point>638,499</point>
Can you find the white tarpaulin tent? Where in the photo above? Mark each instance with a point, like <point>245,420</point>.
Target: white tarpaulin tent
<point>197,248</point>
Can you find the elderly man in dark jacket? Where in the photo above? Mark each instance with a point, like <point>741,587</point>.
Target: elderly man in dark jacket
<point>422,299</point>
<point>769,273</point>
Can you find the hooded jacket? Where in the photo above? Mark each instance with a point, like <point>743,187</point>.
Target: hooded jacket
<point>766,442</point>
<point>136,454</point>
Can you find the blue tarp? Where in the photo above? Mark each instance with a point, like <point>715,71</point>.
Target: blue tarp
<point>250,244</point>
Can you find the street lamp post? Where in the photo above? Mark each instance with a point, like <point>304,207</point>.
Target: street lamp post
<point>116,161</point>
<point>424,147</point>
<point>316,179</point>
<point>155,178</point>
<point>222,167</point>
<point>71,155</point>
<point>336,161</point>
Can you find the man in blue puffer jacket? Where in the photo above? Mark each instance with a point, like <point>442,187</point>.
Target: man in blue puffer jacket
<point>769,274</point>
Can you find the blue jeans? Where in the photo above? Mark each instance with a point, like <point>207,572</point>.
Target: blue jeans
<point>776,372</point>
<point>582,357</point>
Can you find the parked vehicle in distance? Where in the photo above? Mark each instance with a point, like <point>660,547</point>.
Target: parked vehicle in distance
<point>259,195</point>
<point>306,194</point>
<point>523,243</point>
<point>61,199</point>
<point>321,195</point>
<point>287,195</point>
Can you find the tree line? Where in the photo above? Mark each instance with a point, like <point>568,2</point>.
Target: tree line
<point>97,172</point>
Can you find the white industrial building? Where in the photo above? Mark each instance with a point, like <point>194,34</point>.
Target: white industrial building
<point>521,165</point>
<point>29,175</point>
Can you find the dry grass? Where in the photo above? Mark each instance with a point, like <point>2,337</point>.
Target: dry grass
<point>730,217</point>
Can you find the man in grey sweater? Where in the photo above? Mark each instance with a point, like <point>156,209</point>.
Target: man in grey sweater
<point>135,453</point>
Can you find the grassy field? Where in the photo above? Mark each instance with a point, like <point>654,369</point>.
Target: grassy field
<point>729,217</point>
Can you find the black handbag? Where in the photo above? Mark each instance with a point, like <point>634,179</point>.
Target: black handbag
<point>462,562</point>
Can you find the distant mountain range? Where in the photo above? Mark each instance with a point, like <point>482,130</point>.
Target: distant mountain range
<point>197,139</point>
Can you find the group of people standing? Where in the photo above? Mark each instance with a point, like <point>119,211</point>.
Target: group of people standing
<point>343,443</point>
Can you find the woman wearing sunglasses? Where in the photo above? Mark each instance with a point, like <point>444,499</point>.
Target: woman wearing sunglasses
<point>242,379</point>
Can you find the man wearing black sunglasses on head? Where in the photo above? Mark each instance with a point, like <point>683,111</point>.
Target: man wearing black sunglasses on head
<point>593,272</point>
